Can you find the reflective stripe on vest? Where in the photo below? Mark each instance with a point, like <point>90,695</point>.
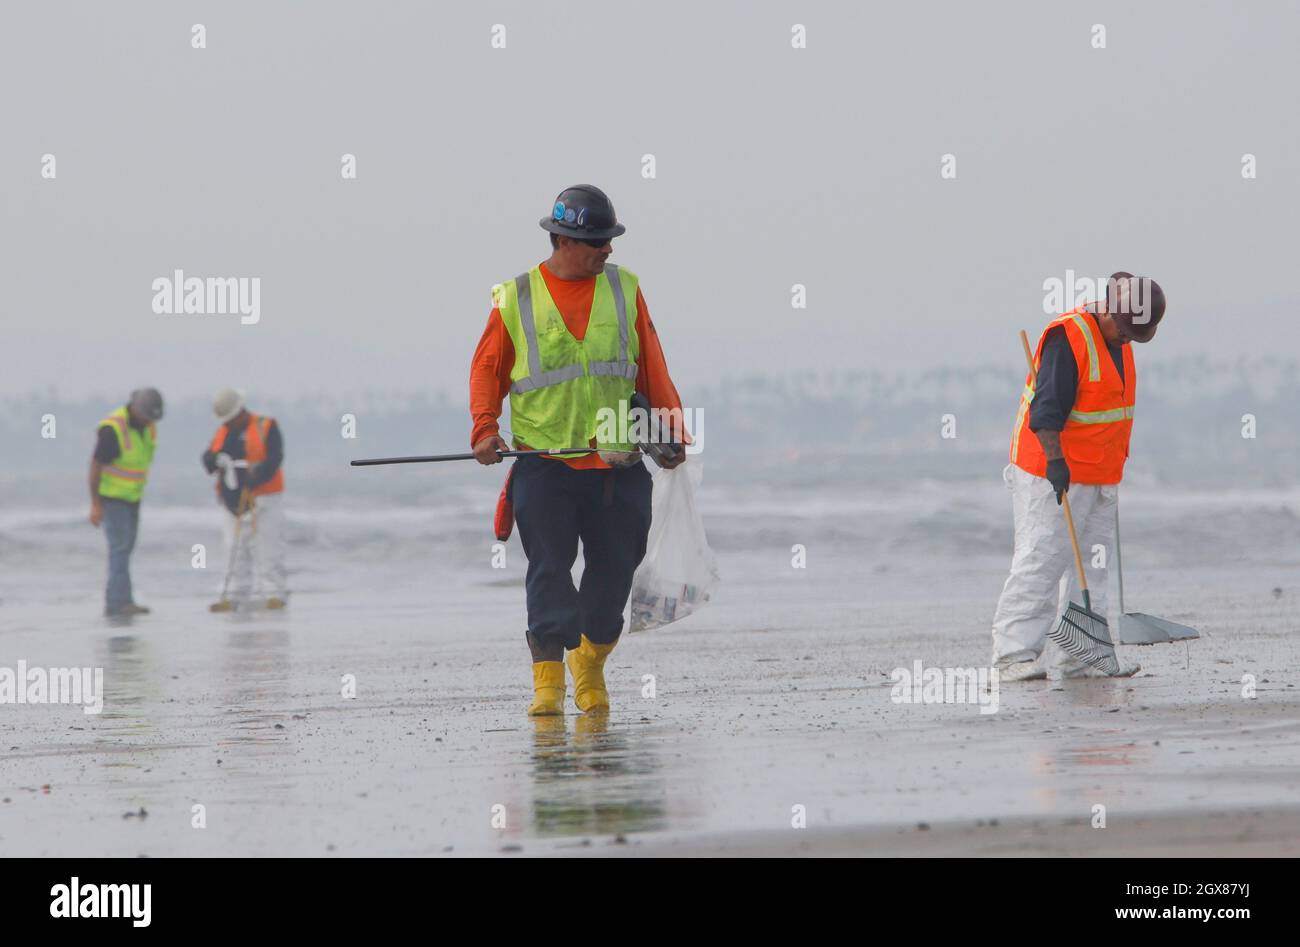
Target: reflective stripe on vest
<point>254,432</point>
<point>124,473</point>
<point>1026,397</point>
<point>540,379</point>
<point>123,430</point>
<point>125,477</point>
<point>1078,417</point>
<point>255,453</point>
<point>1096,434</point>
<point>1102,417</point>
<point>1094,367</point>
<point>566,391</point>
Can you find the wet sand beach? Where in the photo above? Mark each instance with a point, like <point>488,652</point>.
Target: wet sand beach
<point>777,696</point>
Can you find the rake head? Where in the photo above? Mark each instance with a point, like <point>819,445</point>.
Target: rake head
<point>1083,634</point>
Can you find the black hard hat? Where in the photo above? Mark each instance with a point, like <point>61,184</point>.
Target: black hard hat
<point>584,213</point>
<point>148,403</point>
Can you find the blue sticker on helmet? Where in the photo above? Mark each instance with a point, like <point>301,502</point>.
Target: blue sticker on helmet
<point>582,217</point>
<point>569,216</point>
<point>558,212</point>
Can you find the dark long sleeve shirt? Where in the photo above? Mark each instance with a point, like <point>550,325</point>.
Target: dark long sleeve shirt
<point>1058,381</point>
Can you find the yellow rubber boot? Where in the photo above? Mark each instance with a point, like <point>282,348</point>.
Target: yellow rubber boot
<point>548,689</point>
<point>587,665</point>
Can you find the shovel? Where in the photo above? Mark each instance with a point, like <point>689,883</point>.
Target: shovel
<point>1081,632</point>
<point>1136,628</point>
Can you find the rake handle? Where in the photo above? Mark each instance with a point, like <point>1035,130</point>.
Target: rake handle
<point>1065,499</point>
<point>245,501</point>
<point>1078,556</point>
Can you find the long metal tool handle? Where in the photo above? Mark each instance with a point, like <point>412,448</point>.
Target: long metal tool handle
<point>1065,499</point>
<point>244,498</point>
<point>439,458</point>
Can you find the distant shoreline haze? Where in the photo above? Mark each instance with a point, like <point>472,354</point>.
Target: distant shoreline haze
<point>1188,426</point>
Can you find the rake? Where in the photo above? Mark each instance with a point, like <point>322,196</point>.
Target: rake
<point>245,503</point>
<point>1081,632</point>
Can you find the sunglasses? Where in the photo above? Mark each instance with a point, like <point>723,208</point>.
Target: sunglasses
<point>595,244</point>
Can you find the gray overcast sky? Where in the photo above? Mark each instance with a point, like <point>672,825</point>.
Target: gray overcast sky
<point>774,166</point>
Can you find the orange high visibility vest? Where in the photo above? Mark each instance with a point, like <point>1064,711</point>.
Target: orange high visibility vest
<point>254,451</point>
<point>1096,435</point>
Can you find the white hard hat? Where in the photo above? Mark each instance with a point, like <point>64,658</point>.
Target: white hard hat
<point>227,403</point>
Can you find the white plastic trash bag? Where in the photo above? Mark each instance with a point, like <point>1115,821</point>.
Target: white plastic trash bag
<point>679,570</point>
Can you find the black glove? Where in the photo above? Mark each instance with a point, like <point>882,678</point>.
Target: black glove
<point>1058,472</point>
<point>663,453</point>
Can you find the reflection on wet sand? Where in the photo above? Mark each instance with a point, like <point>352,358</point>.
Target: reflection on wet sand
<point>256,683</point>
<point>126,729</point>
<point>1126,753</point>
<point>1104,695</point>
<point>604,779</point>
<point>130,686</point>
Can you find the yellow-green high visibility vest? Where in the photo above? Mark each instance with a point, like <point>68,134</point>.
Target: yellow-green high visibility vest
<point>564,393</point>
<point>124,478</point>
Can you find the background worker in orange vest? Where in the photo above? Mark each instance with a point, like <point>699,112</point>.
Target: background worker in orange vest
<point>1072,434</point>
<point>119,468</point>
<point>246,454</point>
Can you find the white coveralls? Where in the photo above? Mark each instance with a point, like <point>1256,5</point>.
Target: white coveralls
<point>258,571</point>
<point>1043,561</point>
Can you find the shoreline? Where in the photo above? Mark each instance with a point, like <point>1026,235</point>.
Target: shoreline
<point>1254,833</point>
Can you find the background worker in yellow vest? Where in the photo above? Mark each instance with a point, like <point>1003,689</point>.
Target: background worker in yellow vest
<point>571,341</point>
<point>119,467</point>
<point>247,456</point>
<point>1072,434</point>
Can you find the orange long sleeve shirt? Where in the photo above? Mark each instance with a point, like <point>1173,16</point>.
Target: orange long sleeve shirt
<point>489,374</point>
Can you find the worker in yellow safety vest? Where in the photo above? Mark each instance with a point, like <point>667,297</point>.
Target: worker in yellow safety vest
<point>119,468</point>
<point>571,343</point>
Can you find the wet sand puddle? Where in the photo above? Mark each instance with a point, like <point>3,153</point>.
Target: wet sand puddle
<point>599,778</point>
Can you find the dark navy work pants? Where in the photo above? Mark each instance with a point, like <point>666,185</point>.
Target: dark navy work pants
<point>121,523</point>
<point>555,507</point>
